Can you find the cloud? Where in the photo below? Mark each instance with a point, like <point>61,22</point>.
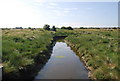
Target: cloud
<point>50,7</point>
<point>39,1</point>
<point>53,4</point>
<point>80,0</point>
<point>61,11</point>
<point>55,8</point>
<point>70,9</point>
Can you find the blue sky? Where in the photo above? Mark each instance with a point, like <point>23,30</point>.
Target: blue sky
<point>35,13</point>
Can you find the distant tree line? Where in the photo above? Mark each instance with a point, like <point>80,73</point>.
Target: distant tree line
<point>99,28</point>
<point>47,27</point>
<point>68,28</point>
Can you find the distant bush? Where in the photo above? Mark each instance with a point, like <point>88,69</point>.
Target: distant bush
<point>46,27</point>
<point>29,27</point>
<point>68,28</point>
<point>82,28</point>
<point>115,28</point>
<point>53,28</point>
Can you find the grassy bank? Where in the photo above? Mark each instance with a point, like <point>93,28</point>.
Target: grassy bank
<point>23,49</point>
<point>98,48</point>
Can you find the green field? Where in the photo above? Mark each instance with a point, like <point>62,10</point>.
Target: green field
<point>98,48</point>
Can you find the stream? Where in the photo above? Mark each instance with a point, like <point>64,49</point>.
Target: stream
<point>63,64</point>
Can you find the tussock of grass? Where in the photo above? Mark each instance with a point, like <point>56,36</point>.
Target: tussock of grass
<point>21,47</point>
<point>98,49</point>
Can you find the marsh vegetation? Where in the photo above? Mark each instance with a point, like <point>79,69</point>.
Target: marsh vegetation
<point>97,48</point>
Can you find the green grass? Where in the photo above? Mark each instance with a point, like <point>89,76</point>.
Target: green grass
<point>99,49</point>
<point>20,47</point>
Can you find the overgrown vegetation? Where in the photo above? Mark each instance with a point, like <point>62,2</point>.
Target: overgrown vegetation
<point>98,48</point>
<point>22,48</point>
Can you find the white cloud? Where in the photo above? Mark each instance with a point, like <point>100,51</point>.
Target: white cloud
<point>53,4</point>
<point>70,9</point>
<point>39,1</point>
<point>60,13</point>
<point>50,7</point>
<point>78,0</point>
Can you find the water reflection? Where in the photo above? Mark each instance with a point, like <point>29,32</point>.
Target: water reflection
<point>63,64</point>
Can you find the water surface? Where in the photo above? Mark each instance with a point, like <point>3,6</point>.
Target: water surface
<point>63,64</point>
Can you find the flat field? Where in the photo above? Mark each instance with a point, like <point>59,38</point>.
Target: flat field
<point>98,48</point>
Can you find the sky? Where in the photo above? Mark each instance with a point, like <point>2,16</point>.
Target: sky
<point>36,13</point>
